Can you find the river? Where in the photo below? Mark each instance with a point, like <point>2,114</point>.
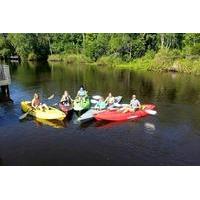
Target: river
<point>172,137</point>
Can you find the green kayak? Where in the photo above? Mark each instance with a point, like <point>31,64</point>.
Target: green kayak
<point>81,104</point>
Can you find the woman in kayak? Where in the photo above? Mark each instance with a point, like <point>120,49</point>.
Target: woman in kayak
<point>110,99</point>
<point>66,99</point>
<point>101,104</point>
<point>36,103</point>
<point>133,106</point>
<point>82,93</point>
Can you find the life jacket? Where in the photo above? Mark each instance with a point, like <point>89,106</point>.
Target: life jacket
<point>67,100</point>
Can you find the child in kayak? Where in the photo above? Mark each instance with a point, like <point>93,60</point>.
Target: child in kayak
<point>82,93</point>
<point>110,99</point>
<point>101,104</point>
<point>36,103</point>
<point>66,99</point>
<point>133,106</point>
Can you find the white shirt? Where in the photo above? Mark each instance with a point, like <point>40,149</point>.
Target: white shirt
<point>134,103</point>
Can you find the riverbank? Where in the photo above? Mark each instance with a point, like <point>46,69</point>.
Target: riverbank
<point>162,61</point>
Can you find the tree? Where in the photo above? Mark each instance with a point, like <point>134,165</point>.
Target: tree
<point>127,45</point>
<point>5,48</point>
<point>96,45</point>
<point>170,40</point>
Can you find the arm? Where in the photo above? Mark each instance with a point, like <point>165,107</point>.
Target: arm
<point>139,105</point>
<point>113,100</point>
<point>62,99</point>
<point>32,104</point>
<point>106,100</point>
<point>70,98</point>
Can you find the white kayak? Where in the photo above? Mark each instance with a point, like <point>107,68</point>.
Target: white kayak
<point>87,116</point>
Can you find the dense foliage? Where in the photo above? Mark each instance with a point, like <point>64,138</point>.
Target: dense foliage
<point>124,46</point>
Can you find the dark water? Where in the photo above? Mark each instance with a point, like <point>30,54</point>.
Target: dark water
<point>170,138</point>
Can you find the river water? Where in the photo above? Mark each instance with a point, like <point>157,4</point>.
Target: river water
<point>172,137</point>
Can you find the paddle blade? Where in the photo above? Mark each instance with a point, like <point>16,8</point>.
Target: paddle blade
<point>96,97</point>
<point>23,116</point>
<point>133,117</point>
<point>93,101</point>
<point>151,112</point>
<point>51,97</point>
<point>118,99</point>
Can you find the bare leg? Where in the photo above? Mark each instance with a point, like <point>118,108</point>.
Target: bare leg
<point>126,110</point>
<point>45,106</point>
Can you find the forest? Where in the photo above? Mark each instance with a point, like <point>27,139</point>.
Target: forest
<point>153,51</point>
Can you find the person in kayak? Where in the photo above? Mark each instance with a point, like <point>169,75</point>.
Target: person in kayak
<point>66,99</point>
<point>36,103</point>
<point>133,106</point>
<point>101,104</point>
<point>110,99</point>
<point>82,93</point>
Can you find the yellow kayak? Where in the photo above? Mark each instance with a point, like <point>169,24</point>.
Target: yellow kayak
<point>53,123</point>
<point>51,113</point>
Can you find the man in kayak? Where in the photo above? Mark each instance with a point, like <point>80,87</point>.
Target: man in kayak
<point>110,99</point>
<point>101,104</point>
<point>66,99</point>
<point>36,103</point>
<point>82,93</point>
<point>133,106</point>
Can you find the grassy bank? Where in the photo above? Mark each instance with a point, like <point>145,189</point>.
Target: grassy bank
<point>69,58</point>
<point>163,61</point>
<point>166,61</point>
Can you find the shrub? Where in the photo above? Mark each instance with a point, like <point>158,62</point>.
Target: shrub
<point>164,60</point>
<point>109,60</point>
<point>149,54</point>
<point>75,58</point>
<point>55,57</point>
<point>33,57</point>
<point>195,50</point>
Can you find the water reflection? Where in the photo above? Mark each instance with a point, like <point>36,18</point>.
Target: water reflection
<point>149,127</point>
<point>54,78</point>
<point>169,138</point>
<point>52,123</point>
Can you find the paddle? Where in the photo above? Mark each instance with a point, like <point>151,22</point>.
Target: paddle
<point>96,97</point>
<point>51,97</point>
<point>93,101</point>
<point>25,114</point>
<point>150,112</point>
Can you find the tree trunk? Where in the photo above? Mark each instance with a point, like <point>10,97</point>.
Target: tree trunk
<point>83,35</point>
<point>162,40</point>
<point>50,45</point>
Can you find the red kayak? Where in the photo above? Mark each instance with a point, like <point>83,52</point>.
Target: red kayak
<point>64,108</point>
<point>114,115</point>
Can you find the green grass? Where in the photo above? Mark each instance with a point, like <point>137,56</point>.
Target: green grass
<point>55,57</point>
<point>137,64</point>
<point>108,61</point>
<point>75,58</point>
<point>69,58</point>
<point>163,61</point>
